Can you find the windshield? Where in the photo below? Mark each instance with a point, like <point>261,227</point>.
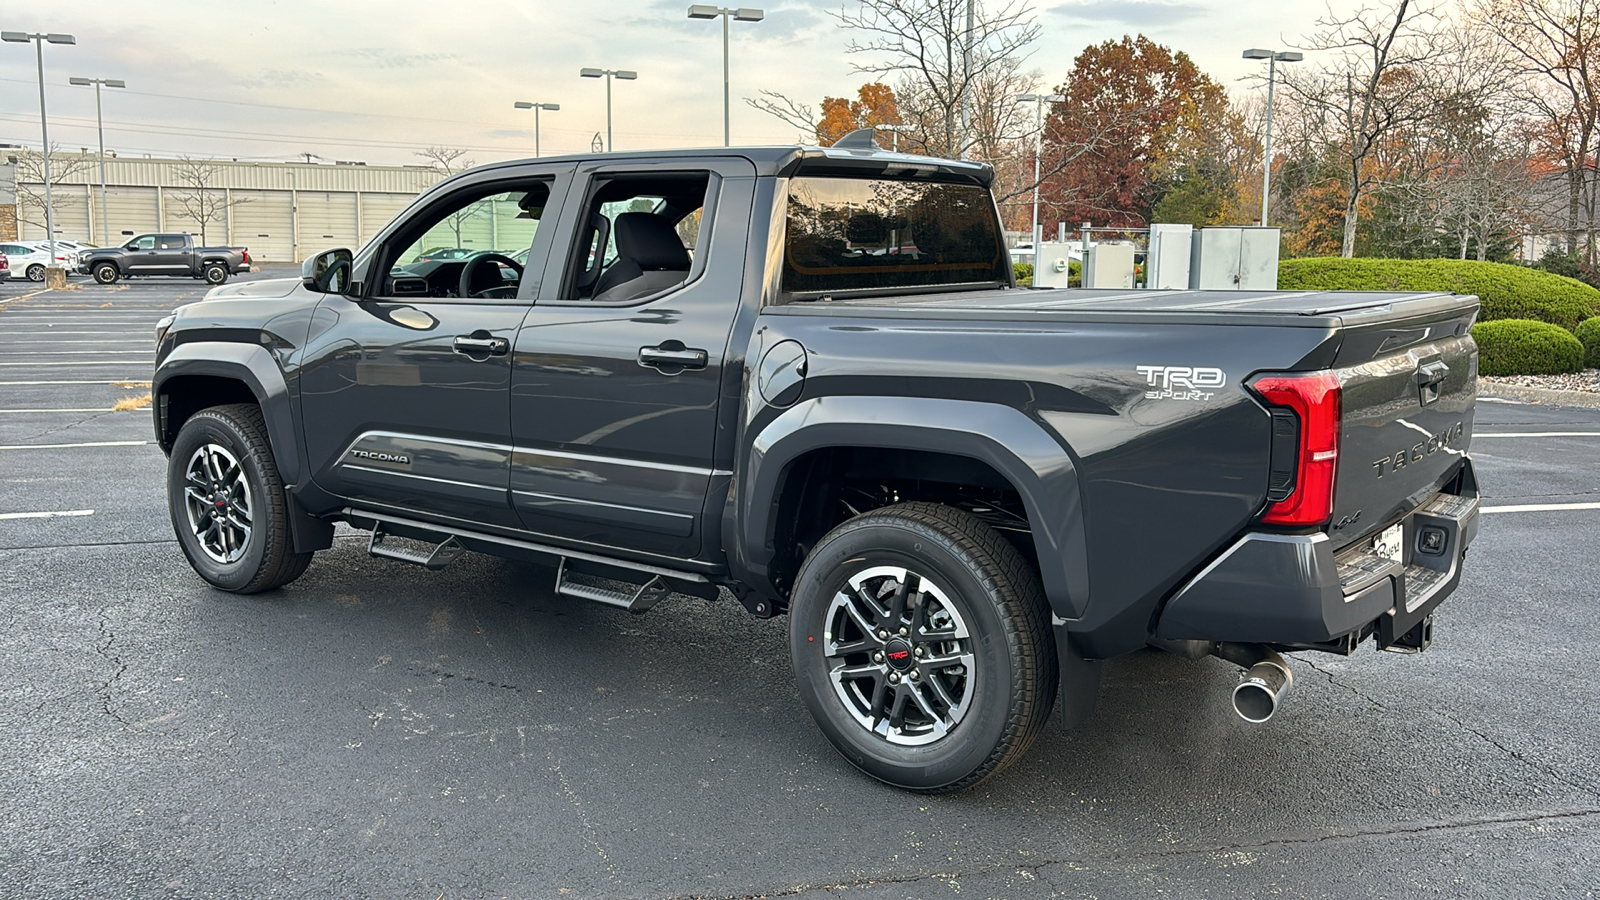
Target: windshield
<point>854,234</point>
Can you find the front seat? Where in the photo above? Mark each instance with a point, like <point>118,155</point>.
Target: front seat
<point>650,258</point>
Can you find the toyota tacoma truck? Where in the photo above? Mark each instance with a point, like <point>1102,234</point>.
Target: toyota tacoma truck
<point>806,379</point>
<point>164,254</point>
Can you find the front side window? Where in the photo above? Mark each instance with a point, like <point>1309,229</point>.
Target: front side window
<point>474,245</point>
<point>146,242</point>
<point>861,234</point>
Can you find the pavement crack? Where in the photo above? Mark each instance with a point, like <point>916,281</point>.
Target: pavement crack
<point>67,427</point>
<point>105,646</point>
<point>1518,755</point>
<point>1125,856</point>
<point>1337,683</point>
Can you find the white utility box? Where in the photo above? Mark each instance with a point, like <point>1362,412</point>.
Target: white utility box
<point>1050,268</point>
<point>1108,265</point>
<point>1234,259</point>
<point>1167,268</point>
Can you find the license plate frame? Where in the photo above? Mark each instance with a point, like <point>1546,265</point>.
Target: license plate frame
<point>1390,543</point>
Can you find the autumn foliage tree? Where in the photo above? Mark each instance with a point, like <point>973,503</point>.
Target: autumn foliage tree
<point>874,106</point>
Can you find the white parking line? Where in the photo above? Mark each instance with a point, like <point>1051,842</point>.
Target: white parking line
<point>3,341</point>
<point>2,411</point>
<point>47,515</point>
<point>1521,434</point>
<point>120,382</point>
<point>1538,507</point>
<point>71,446</point>
<point>16,353</point>
<point>24,296</point>
<point>85,362</point>
<point>52,332</point>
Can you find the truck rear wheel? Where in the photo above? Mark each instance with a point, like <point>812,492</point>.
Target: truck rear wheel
<point>922,647</point>
<point>216,273</point>
<point>106,273</point>
<point>227,503</point>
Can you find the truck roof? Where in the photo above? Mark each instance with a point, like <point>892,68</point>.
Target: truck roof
<point>786,160</point>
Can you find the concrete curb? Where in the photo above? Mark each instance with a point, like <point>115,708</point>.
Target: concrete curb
<point>1544,396</point>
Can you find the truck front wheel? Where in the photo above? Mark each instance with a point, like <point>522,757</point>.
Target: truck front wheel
<point>922,647</point>
<point>106,273</point>
<point>227,503</point>
<point>216,273</point>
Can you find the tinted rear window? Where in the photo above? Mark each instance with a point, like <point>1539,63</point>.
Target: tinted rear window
<point>853,234</point>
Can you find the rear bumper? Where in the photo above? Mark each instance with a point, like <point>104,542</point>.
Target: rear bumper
<point>1293,589</point>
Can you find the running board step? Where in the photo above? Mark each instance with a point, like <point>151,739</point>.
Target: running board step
<point>441,555</point>
<point>642,598</point>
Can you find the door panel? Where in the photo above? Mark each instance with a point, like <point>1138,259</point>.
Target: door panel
<point>610,450</point>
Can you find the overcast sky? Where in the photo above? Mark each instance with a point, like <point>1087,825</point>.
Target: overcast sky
<point>375,81</point>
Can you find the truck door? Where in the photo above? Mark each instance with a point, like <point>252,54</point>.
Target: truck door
<point>174,255</point>
<point>619,365</point>
<point>405,385</point>
<point>141,258</point>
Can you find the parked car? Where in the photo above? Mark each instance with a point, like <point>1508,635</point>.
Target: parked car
<point>164,254</point>
<point>445,253</point>
<point>964,496</point>
<point>5,268</point>
<point>31,258</point>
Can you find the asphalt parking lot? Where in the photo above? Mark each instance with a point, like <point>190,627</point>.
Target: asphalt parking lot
<point>377,730</point>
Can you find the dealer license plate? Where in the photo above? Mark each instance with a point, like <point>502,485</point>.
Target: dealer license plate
<point>1390,543</point>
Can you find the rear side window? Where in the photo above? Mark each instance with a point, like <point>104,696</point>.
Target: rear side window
<point>859,234</point>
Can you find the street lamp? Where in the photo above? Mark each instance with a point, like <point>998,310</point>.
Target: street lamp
<point>1038,101</point>
<point>608,74</point>
<point>100,127</point>
<point>1273,57</point>
<point>523,104</point>
<point>39,40</point>
<point>699,11</point>
<point>895,131</point>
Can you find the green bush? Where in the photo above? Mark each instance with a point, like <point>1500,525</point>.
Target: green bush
<point>1507,292</point>
<point>1024,272</point>
<point>1588,333</point>
<point>1526,347</point>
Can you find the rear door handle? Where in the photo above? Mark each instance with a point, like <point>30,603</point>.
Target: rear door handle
<point>480,344</point>
<point>671,357</point>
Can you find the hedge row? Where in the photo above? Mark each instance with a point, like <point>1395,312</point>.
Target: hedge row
<point>1506,291</point>
<point>1526,347</point>
<point>1588,333</point>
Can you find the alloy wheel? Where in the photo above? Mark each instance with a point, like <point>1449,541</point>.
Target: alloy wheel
<point>217,498</point>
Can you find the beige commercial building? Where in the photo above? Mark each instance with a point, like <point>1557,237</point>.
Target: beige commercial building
<point>283,212</point>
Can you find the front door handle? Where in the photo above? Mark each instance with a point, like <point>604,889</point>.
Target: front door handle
<point>671,357</point>
<point>479,343</point>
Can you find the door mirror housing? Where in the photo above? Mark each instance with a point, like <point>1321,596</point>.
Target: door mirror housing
<point>328,272</point>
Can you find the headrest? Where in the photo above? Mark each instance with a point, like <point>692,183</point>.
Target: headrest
<point>650,241</point>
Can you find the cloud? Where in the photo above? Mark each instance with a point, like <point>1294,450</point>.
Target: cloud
<point>281,78</point>
<point>394,59</point>
<point>1142,14</point>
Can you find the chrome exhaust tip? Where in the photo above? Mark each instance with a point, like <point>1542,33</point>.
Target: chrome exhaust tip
<point>1256,698</point>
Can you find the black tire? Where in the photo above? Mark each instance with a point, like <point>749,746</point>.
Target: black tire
<point>106,273</point>
<point>971,581</point>
<point>243,545</point>
<point>36,272</point>
<point>216,273</point>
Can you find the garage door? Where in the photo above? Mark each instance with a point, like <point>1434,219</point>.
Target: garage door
<point>327,220</point>
<point>129,211</point>
<point>71,214</point>
<point>378,210</point>
<point>262,221</point>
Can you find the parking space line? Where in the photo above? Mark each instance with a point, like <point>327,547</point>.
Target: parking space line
<point>1538,507</point>
<point>14,353</point>
<point>106,410</point>
<point>1526,434</point>
<point>6,334</point>
<point>3,336</point>
<point>72,446</point>
<point>48,515</point>
<point>84,362</point>
<point>120,382</point>
<point>25,296</point>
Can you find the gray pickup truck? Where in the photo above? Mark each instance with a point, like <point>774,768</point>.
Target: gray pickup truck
<point>806,378</point>
<point>164,254</point>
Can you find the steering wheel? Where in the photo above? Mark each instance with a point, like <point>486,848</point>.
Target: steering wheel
<point>499,291</point>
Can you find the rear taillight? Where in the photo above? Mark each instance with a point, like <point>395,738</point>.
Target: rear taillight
<point>1314,400</point>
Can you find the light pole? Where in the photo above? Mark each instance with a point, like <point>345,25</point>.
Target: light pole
<point>524,104</point>
<point>39,40</point>
<point>1038,101</point>
<point>1273,57</point>
<point>699,11</point>
<point>895,131</point>
<point>625,75</point>
<point>100,128</point>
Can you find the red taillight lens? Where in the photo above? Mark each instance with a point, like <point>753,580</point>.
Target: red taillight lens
<point>1315,401</point>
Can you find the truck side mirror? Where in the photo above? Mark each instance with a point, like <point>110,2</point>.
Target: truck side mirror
<point>328,272</point>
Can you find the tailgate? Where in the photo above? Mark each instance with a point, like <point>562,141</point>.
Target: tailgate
<point>1408,389</point>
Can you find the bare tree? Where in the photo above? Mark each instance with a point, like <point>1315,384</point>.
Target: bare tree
<point>30,180</point>
<point>802,117</point>
<point>199,200</point>
<point>1556,44</point>
<point>453,160</point>
<point>1374,82</point>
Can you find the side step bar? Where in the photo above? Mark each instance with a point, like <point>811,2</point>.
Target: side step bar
<point>444,553</point>
<point>643,597</point>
